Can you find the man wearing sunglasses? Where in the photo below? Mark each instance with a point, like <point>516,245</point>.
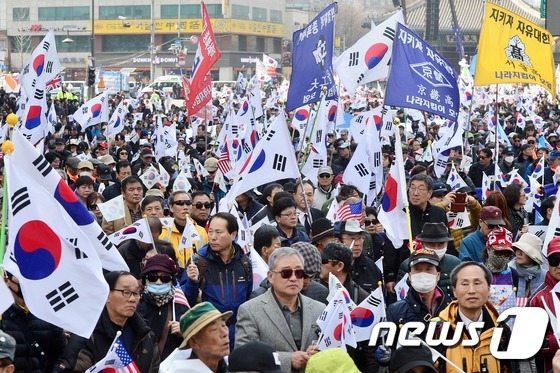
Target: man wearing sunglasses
<point>545,293</point>
<point>180,206</point>
<point>202,205</point>
<point>483,166</point>
<point>325,187</point>
<point>282,317</point>
<point>473,245</point>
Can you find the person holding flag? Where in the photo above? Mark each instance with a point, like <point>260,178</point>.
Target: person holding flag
<point>157,305</point>
<point>119,314</point>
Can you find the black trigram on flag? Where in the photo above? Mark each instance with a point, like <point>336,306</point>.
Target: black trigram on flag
<point>62,296</point>
<point>246,148</point>
<point>43,166</point>
<point>389,33</point>
<point>323,316</point>
<point>317,163</point>
<point>20,200</point>
<point>79,253</point>
<point>102,237</point>
<point>327,341</point>
<point>441,163</point>
<point>360,78</point>
<point>539,233</point>
<point>39,94</point>
<point>354,58</point>
<point>459,222</point>
<point>279,162</point>
<point>373,301</point>
<point>376,159</point>
<point>372,185</point>
<point>85,110</point>
<point>359,119</point>
<point>234,129</point>
<point>46,45</point>
<point>361,169</point>
<point>270,134</point>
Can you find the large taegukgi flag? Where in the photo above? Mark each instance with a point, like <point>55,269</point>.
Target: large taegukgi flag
<point>420,78</point>
<point>57,265</point>
<point>312,61</point>
<point>206,56</point>
<point>368,60</point>
<point>514,50</point>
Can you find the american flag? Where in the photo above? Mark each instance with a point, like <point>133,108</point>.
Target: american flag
<point>180,297</point>
<point>521,302</point>
<point>350,211</point>
<point>117,360</point>
<point>224,164</point>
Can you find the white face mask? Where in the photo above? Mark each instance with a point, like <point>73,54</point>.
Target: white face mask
<point>440,253</point>
<point>423,282</point>
<point>509,159</point>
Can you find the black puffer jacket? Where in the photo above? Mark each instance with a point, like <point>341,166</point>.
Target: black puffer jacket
<point>156,317</point>
<point>49,338</point>
<point>139,340</point>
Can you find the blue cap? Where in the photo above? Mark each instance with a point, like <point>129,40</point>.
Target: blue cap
<point>554,154</point>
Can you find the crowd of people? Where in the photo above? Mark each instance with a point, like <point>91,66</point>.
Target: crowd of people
<point>452,274</point>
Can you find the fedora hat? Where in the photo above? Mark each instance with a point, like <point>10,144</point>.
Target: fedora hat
<point>320,228</point>
<point>434,232</point>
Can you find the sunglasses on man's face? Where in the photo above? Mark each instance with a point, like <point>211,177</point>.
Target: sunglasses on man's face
<point>207,205</point>
<point>370,221</point>
<point>554,260</point>
<point>288,273</point>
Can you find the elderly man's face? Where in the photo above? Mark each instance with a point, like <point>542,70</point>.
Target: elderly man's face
<point>212,342</point>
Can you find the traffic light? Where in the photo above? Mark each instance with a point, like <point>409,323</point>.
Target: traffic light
<point>91,76</point>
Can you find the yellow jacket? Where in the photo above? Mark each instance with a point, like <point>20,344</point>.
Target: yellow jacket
<point>174,237</point>
<point>470,358</point>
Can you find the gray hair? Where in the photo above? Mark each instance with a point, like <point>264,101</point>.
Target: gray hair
<point>283,252</point>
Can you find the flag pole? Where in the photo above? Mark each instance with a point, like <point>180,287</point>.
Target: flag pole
<point>496,146</point>
<point>402,182</point>
<point>306,151</point>
<point>7,149</point>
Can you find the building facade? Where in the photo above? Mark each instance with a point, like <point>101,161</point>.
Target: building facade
<point>122,34</point>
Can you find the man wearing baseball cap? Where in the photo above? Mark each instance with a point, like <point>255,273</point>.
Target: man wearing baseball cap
<point>496,257</point>
<point>204,330</point>
<point>325,187</point>
<point>544,293</point>
<point>7,353</point>
<point>424,298</point>
<point>473,245</point>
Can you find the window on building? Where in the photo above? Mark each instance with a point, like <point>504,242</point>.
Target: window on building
<point>276,45</point>
<point>240,11</point>
<point>275,16</point>
<point>129,11</point>
<point>259,14</point>
<point>81,43</point>
<point>242,43</point>
<point>125,43</point>
<point>260,44</point>
<point>21,14</point>
<point>64,13</point>
<point>191,11</point>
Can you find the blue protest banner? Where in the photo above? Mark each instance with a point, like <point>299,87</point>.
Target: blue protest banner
<point>312,61</point>
<point>420,78</point>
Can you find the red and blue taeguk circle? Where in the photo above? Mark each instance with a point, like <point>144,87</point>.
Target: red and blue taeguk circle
<point>37,250</point>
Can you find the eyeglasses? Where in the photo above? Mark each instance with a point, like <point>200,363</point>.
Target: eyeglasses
<point>288,214</point>
<point>554,260</point>
<point>123,153</point>
<point>369,221</point>
<point>325,261</point>
<point>325,176</point>
<point>212,172</point>
<point>482,158</point>
<point>183,202</point>
<point>530,142</point>
<point>288,273</point>
<point>93,207</point>
<point>206,205</point>
<point>153,277</point>
<point>127,293</point>
<point>419,190</point>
